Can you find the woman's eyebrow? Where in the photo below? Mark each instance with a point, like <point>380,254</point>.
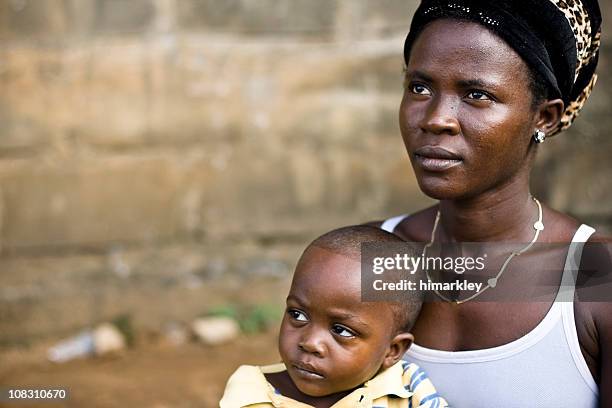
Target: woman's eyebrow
<point>476,83</point>
<point>419,75</point>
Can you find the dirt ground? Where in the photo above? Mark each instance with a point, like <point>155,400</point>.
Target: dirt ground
<point>152,374</point>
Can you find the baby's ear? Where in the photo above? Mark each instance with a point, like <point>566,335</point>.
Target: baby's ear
<point>398,347</point>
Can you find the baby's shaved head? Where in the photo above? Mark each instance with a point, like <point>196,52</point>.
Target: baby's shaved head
<point>347,242</point>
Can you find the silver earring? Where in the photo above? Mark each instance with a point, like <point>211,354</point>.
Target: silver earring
<point>539,136</point>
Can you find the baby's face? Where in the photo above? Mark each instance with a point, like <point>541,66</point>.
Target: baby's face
<point>329,340</point>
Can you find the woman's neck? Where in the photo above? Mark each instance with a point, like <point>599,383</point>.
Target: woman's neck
<point>506,214</point>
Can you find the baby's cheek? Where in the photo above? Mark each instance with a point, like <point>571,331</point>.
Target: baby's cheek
<point>359,368</point>
<point>286,341</point>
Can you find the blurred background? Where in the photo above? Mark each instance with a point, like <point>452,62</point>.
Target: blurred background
<point>165,160</point>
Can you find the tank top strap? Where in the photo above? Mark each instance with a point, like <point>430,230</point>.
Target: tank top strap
<point>572,264</point>
<point>390,224</point>
<point>566,295</point>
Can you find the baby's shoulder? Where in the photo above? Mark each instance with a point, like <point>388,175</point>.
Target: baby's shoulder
<point>245,372</point>
<point>248,386</point>
<point>424,393</point>
<point>251,373</point>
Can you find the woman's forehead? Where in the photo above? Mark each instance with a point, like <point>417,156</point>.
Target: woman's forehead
<point>466,48</point>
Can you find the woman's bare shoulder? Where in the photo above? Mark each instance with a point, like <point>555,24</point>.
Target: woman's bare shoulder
<point>562,227</point>
<point>416,226</point>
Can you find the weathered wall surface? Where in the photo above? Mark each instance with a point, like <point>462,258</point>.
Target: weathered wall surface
<point>157,154</point>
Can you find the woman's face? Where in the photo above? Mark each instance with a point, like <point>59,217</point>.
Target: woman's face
<point>466,116</point>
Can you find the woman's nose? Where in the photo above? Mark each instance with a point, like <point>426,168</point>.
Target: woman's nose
<point>441,116</point>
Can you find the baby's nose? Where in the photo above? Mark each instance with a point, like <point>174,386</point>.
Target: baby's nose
<point>313,343</point>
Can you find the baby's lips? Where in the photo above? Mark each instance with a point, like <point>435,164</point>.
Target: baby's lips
<point>308,368</point>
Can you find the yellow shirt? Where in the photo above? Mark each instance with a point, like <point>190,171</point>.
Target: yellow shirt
<point>392,388</point>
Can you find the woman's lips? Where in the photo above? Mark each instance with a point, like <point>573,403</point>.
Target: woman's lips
<point>436,158</point>
<point>307,371</point>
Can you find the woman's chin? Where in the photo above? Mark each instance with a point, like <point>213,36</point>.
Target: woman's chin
<point>439,189</point>
<point>442,190</point>
<point>441,185</point>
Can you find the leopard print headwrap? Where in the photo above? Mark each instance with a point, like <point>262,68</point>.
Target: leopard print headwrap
<point>559,39</point>
<point>588,40</point>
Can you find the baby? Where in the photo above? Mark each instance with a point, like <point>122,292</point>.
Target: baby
<point>338,351</point>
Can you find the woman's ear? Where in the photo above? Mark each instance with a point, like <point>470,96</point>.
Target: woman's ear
<point>549,115</point>
<point>399,345</point>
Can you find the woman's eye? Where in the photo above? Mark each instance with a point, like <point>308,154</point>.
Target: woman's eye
<point>419,89</point>
<point>297,315</point>
<point>342,331</point>
<point>478,96</point>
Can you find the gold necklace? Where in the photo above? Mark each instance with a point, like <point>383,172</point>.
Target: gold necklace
<point>492,282</point>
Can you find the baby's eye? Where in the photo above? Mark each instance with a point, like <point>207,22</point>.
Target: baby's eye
<point>297,315</point>
<point>419,89</point>
<point>478,96</point>
<point>342,331</point>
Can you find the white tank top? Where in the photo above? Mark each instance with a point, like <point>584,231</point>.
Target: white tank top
<point>543,369</point>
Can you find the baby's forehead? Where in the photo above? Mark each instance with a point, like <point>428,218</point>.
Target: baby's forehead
<point>332,263</point>
<point>321,267</point>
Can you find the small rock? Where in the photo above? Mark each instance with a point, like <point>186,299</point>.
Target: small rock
<point>107,339</point>
<point>215,330</point>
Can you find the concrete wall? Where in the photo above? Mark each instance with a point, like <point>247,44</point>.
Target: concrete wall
<point>153,153</point>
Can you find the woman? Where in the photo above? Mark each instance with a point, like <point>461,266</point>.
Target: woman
<point>486,82</point>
